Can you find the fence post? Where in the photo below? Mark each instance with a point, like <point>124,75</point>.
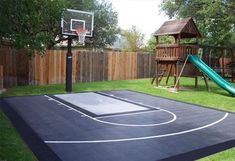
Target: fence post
<point>1,77</point>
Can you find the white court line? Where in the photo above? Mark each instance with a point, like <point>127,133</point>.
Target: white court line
<point>143,125</point>
<point>127,139</point>
<point>119,124</point>
<point>127,114</point>
<point>136,138</point>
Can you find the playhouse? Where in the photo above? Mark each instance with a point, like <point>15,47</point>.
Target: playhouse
<point>171,57</point>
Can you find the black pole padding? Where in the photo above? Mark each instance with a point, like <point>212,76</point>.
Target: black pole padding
<point>68,83</point>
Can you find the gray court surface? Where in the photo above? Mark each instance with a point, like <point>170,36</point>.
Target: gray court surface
<point>118,126</point>
<point>99,104</point>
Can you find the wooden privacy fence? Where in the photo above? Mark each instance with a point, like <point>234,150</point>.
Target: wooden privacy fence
<point>15,67</point>
<point>19,69</point>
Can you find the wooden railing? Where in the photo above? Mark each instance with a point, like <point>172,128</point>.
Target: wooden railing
<point>167,52</point>
<point>186,49</point>
<point>174,52</point>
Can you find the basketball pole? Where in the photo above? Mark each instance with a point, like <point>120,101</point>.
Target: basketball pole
<point>68,83</point>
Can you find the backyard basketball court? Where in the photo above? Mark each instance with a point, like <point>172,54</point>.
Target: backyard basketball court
<point>118,126</point>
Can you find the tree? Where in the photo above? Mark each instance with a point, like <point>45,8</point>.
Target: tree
<point>35,25</point>
<point>134,39</point>
<point>105,21</point>
<point>30,24</point>
<point>151,43</point>
<point>215,19</point>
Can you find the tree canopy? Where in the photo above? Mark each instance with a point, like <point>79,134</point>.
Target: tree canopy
<point>30,24</point>
<point>151,43</point>
<point>133,39</point>
<point>215,19</point>
<point>35,25</point>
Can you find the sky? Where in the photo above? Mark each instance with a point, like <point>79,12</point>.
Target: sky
<point>144,14</point>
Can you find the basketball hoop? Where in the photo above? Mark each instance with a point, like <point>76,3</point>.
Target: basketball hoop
<point>81,33</point>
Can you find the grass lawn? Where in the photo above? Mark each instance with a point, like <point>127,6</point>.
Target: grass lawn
<point>12,148</point>
<point>216,98</point>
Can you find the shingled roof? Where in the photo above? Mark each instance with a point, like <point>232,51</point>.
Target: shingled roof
<point>184,27</point>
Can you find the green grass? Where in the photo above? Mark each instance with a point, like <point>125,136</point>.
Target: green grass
<point>216,98</point>
<point>227,155</point>
<point>12,148</point>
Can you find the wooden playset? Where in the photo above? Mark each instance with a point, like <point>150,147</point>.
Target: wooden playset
<point>171,57</point>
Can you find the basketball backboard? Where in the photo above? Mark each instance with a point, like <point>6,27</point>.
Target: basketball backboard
<point>74,19</point>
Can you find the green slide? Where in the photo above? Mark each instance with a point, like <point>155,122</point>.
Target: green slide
<point>194,59</point>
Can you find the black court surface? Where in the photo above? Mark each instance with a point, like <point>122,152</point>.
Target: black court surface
<point>118,126</point>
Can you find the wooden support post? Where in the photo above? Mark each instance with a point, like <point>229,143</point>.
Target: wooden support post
<point>157,71</point>
<point>176,75</point>
<point>223,65</point>
<point>176,38</point>
<point>196,81</point>
<point>157,40</point>
<point>206,81</point>
<point>178,54</point>
<point>154,76</point>
<point>168,73</point>
<point>196,73</point>
<point>233,65</point>
<point>162,74</point>
<point>153,79</point>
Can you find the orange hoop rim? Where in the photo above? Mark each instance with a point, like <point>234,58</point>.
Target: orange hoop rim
<point>80,31</point>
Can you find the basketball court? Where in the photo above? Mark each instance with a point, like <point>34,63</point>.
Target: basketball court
<point>118,126</point>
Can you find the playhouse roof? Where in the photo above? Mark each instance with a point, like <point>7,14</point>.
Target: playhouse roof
<point>184,27</point>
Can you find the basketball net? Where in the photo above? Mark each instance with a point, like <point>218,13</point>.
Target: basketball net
<point>81,35</point>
